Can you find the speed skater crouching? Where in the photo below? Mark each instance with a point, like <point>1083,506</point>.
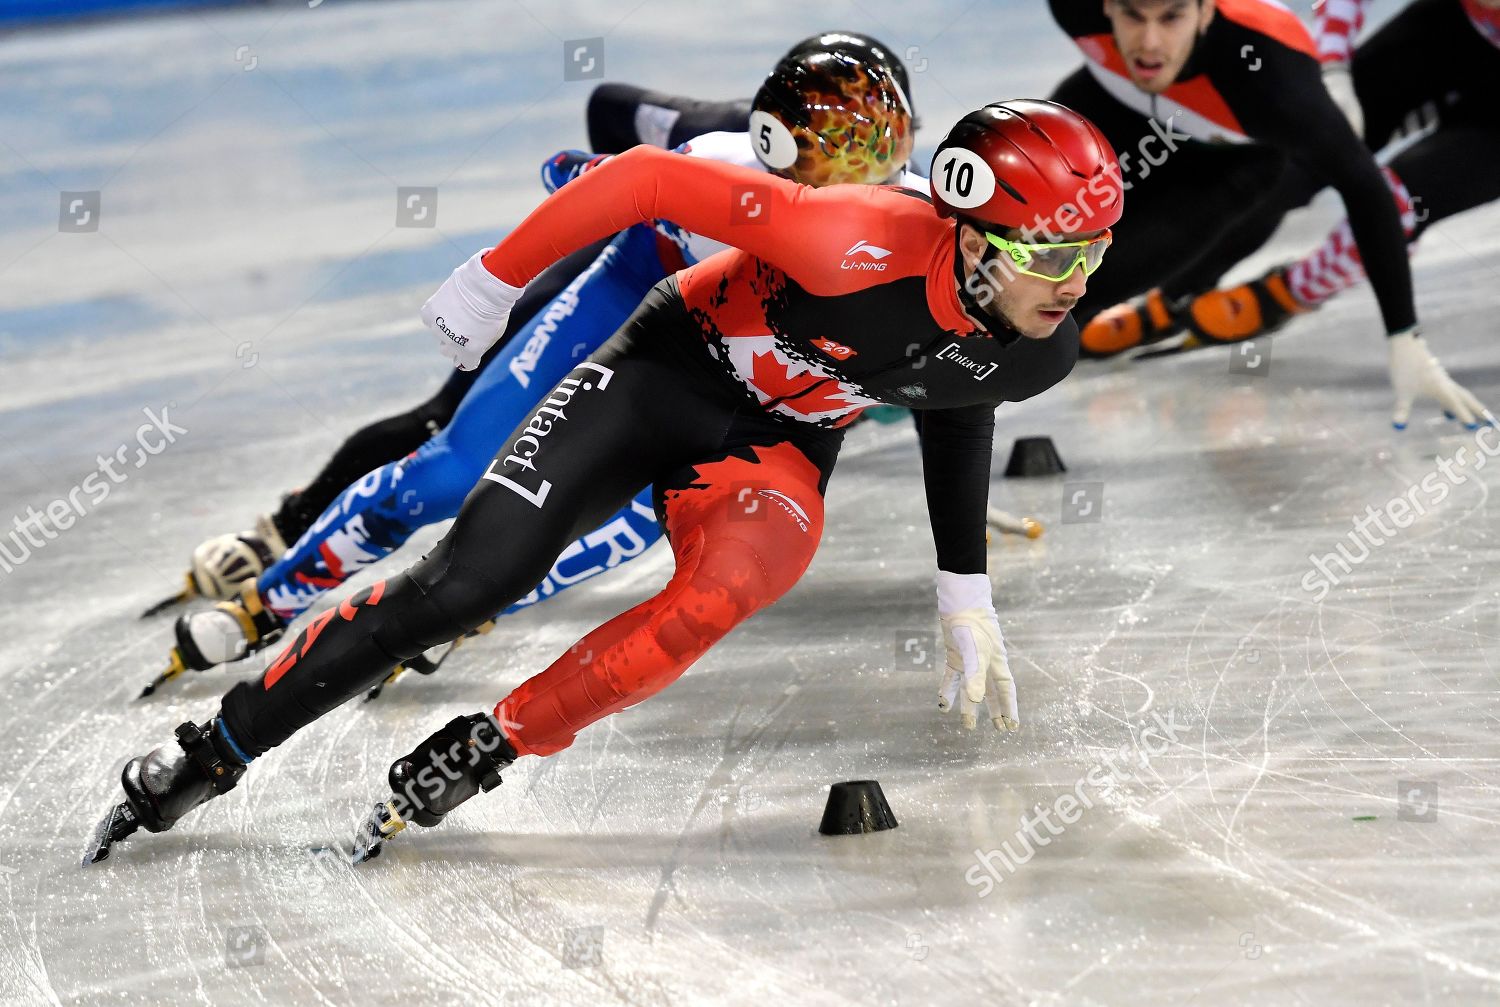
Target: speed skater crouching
<point>721,388</point>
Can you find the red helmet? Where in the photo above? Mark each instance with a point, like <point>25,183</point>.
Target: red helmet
<point>1028,164</point>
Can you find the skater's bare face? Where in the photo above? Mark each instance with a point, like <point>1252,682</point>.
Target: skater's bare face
<point>1156,37</point>
<point>1031,305</point>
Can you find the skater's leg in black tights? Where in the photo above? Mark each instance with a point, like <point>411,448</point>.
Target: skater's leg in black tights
<point>609,430</point>
<point>1439,170</point>
<point>617,112</point>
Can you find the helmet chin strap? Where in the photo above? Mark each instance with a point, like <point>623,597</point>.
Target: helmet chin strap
<point>997,326</point>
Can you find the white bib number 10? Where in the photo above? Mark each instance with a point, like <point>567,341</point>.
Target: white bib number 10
<point>962,178</point>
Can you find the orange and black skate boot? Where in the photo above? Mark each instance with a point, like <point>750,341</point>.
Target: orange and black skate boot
<point>1125,326</point>
<point>1252,309</point>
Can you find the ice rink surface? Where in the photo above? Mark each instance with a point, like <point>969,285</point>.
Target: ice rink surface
<point>1321,830</point>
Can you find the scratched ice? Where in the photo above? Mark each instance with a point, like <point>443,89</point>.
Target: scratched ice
<point>1322,829</point>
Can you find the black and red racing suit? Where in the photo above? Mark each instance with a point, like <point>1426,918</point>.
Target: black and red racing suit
<point>728,390</point>
<point>1247,132</point>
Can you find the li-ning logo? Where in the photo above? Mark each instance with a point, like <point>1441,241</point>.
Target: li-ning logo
<point>980,370</point>
<point>547,415</point>
<point>786,503</point>
<point>865,248</point>
<point>443,328</point>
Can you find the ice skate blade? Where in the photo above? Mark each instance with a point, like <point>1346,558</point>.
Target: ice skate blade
<point>164,604</point>
<point>382,823</point>
<point>1182,342</point>
<point>119,823</point>
<point>427,662</point>
<point>174,669</point>
<point>188,593</point>
<point>375,692</point>
<point>1011,524</point>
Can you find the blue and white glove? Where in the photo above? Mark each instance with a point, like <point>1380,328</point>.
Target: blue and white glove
<point>468,313</point>
<point>978,670</point>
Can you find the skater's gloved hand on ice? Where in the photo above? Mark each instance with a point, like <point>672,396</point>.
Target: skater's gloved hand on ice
<point>977,670</point>
<point>468,313</point>
<point>1416,373</point>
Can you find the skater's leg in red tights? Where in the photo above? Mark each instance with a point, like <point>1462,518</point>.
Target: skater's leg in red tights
<point>742,532</point>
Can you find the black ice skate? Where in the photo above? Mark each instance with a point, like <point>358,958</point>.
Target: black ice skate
<point>168,783</point>
<point>463,758</point>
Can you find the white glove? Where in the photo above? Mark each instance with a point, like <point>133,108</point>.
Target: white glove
<point>977,667</point>
<point>469,311</point>
<point>1340,85</point>
<point>1416,372</point>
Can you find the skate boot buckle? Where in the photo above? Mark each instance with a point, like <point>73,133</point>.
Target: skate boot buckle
<point>196,744</point>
